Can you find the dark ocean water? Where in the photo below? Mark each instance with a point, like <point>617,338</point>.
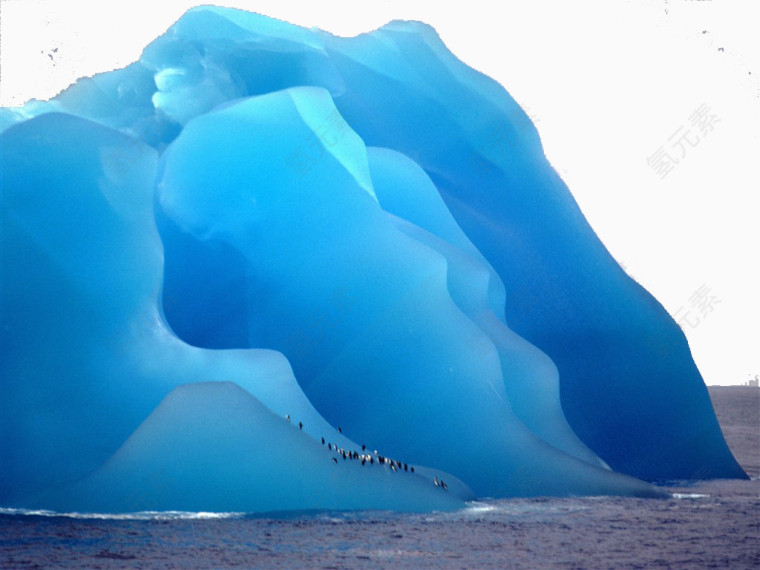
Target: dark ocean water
<point>713,524</point>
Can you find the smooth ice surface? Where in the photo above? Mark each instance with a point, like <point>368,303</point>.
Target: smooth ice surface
<point>257,220</point>
<point>214,447</point>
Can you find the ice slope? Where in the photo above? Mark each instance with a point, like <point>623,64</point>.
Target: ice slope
<point>363,230</point>
<point>213,447</point>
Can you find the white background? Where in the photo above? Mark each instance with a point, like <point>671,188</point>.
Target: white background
<point>606,82</point>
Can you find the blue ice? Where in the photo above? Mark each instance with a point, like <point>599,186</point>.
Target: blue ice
<point>257,221</point>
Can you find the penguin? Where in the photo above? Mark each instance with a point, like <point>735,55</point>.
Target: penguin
<point>412,468</point>
<point>364,461</point>
<point>406,467</point>
<point>334,459</point>
<point>323,441</point>
<point>435,480</point>
<point>287,417</point>
<point>445,486</point>
<point>300,425</point>
<point>364,447</point>
<point>340,430</point>
<point>371,460</point>
<point>329,446</point>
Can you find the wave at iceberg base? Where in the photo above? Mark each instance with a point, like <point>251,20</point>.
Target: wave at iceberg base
<point>257,221</point>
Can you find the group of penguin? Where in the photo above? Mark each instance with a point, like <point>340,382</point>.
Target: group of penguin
<point>370,458</point>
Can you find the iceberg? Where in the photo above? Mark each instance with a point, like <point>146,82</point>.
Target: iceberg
<point>239,272</point>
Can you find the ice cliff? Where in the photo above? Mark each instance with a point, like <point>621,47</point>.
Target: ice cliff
<point>265,268</point>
